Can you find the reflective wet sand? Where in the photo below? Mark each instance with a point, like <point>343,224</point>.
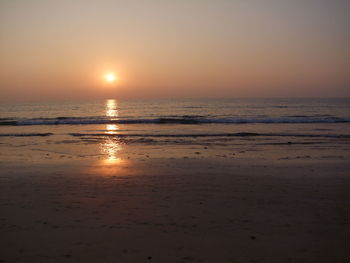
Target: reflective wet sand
<point>108,200</point>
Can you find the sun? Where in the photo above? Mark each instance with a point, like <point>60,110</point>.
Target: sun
<point>110,77</point>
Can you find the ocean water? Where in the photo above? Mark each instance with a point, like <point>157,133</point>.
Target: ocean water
<point>165,123</point>
<point>181,114</point>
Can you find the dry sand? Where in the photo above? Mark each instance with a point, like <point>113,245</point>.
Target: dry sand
<point>183,209</point>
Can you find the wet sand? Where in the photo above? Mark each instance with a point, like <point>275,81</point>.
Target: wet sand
<point>286,208</point>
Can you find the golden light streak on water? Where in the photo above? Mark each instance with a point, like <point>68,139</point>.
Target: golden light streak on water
<point>111,108</point>
<point>111,129</point>
<point>111,146</point>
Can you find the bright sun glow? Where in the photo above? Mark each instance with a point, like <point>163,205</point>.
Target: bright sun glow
<point>110,77</point>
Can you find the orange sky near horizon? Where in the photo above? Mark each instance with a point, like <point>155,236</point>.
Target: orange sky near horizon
<point>53,50</point>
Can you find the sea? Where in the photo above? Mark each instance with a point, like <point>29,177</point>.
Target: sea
<point>169,122</point>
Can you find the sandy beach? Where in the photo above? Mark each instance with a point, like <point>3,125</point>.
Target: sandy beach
<point>200,205</point>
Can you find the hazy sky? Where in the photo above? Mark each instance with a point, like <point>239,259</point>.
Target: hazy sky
<point>60,49</point>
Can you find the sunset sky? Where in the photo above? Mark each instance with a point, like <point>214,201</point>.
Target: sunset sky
<point>52,50</point>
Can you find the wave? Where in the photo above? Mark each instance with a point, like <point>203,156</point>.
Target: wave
<point>193,135</point>
<point>171,120</point>
<point>25,134</point>
<point>237,134</point>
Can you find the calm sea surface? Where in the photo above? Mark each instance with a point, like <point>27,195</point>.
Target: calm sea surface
<point>177,117</point>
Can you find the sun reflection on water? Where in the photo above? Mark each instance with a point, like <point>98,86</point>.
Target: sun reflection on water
<point>111,108</point>
<point>111,146</point>
<point>111,129</point>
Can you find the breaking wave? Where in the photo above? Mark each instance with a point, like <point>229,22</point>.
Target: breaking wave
<point>183,135</point>
<point>25,134</point>
<point>166,120</point>
<point>237,134</point>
